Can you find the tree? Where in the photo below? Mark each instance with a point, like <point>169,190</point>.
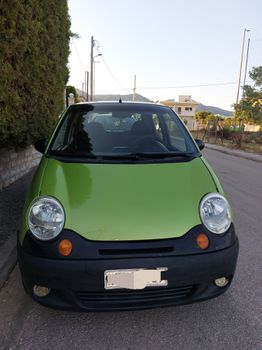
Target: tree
<point>256,75</point>
<point>203,119</point>
<point>34,50</point>
<point>203,116</point>
<point>249,109</point>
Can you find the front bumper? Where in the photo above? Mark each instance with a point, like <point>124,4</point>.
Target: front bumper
<point>78,283</point>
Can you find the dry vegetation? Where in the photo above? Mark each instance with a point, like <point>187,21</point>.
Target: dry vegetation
<point>246,141</point>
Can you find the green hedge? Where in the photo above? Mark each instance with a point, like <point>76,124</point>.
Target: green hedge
<point>34,50</point>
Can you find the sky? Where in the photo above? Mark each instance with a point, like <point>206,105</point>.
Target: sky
<point>174,47</point>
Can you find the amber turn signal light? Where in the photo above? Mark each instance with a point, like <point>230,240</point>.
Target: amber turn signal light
<point>65,247</point>
<point>202,241</point>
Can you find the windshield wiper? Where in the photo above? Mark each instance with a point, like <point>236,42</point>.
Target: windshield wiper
<point>149,155</point>
<point>72,154</point>
<point>121,156</point>
<point>164,154</point>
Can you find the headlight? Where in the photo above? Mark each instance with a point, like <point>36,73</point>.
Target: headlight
<point>215,213</point>
<point>46,218</point>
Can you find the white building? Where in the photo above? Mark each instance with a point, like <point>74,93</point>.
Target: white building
<point>185,107</point>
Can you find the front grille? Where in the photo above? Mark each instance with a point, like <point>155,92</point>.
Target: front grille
<point>161,250</point>
<point>149,295</point>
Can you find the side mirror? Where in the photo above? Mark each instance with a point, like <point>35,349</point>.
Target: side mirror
<point>40,145</point>
<point>200,143</point>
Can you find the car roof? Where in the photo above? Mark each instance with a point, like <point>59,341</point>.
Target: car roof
<point>120,103</point>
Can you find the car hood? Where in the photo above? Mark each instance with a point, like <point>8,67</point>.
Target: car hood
<point>128,201</point>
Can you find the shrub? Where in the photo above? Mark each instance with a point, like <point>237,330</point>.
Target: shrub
<point>225,133</point>
<point>253,137</point>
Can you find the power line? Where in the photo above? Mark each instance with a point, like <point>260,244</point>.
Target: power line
<point>97,46</point>
<point>78,56</point>
<point>123,88</point>
<point>114,78</point>
<point>186,86</point>
<point>177,87</point>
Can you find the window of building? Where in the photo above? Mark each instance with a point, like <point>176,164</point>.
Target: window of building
<point>188,108</point>
<point>179,110</point>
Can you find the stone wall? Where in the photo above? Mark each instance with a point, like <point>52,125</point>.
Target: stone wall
<point>15,164</point>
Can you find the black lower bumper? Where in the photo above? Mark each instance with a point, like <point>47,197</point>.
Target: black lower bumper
<point>79,284</point>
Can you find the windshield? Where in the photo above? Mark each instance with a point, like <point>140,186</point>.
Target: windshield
<point>121,130</point>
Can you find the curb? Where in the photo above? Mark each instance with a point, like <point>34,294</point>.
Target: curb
<point>237,153</point>
<point>8,257</point>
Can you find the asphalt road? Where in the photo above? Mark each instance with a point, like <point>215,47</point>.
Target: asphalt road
<point>231,321</point>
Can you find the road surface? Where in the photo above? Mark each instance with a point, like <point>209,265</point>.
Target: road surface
<point>231,321</point>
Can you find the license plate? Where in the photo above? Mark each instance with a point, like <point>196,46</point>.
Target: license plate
<point>134,278</point>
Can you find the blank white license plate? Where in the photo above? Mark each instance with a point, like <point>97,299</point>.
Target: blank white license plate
<point>134,278</point>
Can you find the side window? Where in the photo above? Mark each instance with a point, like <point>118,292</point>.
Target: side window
<point>176,138</point>
<point>62,138</point>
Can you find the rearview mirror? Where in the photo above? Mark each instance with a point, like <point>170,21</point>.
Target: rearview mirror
<point>200,143</point>
<point>40,145</point>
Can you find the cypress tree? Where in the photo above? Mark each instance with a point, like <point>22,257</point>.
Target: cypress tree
<point>34,50</point>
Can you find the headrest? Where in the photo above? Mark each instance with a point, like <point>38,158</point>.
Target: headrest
<point>94,128</point>
<point>142,127</point>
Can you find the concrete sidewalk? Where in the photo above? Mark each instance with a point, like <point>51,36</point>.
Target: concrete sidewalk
<point>235,152</point>
<point>11,205</point>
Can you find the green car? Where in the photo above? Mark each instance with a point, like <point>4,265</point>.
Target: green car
<point>124,213</point>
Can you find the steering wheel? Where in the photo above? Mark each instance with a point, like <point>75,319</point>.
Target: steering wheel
<point>149,143</point>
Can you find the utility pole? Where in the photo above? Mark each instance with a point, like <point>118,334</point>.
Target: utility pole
<point>245,76</point>
<point>83,89</point>
<point>92,62</point>
<point>94,74</point>
<point>134,89</point>
<point>91,68</point>
<point>241,63</point>
<point>86,84</point>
